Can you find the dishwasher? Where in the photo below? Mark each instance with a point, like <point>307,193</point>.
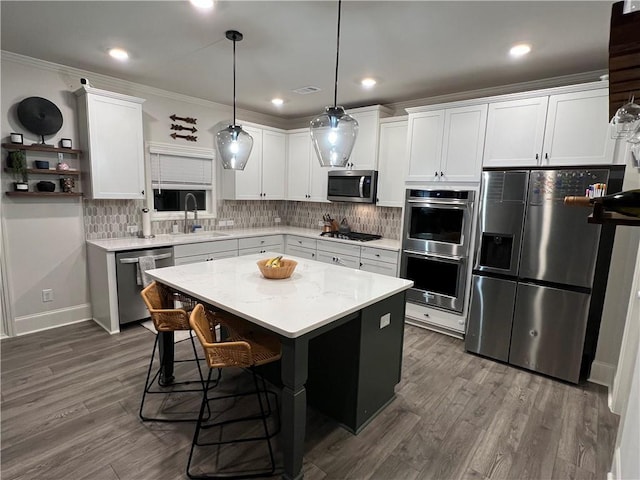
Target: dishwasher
<point>131,307</point>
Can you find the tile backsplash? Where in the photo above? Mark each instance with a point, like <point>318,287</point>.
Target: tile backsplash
<point>109,218</point>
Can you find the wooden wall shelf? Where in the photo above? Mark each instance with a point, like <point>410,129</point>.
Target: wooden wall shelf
<point>613,218</point>
<point>46,171</point>
<point>40,148</point>
<point>43,194</point>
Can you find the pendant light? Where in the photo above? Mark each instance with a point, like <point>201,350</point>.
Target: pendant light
<point>333,132</point>
<point>234,144</point>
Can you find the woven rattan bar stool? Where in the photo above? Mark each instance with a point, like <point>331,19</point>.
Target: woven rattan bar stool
<point>156,296</point>
<point>242,346</point>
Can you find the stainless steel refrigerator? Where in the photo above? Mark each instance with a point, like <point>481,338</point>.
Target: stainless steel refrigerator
<point>540,270</point>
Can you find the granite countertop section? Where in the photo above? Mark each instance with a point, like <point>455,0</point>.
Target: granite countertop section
<point>169,240</point>
<point>315,295</point>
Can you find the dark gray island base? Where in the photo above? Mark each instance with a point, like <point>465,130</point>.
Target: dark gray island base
<point>347,369</point>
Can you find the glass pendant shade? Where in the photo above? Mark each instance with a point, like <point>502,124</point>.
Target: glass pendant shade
<point>333,134</point>
<point>626,119</point>
<point>234,146</point>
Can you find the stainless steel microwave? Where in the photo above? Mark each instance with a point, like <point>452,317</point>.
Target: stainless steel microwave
<point>352,186</point>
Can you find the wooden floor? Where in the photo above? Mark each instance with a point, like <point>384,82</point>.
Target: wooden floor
<point>70,400</point>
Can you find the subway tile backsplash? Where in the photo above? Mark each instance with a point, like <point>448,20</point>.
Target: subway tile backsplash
<point>109,218</point>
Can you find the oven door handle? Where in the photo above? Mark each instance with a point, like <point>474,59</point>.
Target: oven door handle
<point>361,186</point>
<point>441,203</point>
<point>454,258</point>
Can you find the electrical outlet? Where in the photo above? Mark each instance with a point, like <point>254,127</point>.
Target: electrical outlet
<point>277,220</point>
<point>385,320</point>
<point>132,228</point>
<point>47,295</point>
<point>230,223</point>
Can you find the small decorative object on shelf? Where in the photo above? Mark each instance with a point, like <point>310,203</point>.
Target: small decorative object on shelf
<point>46,186</point>
<point>62,166</point>
<point>16,138</point>
<point>67,184</point>
<point>17,163</point>
<point>65,143</point>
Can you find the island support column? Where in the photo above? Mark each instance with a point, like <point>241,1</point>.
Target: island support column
<point>294,404</point>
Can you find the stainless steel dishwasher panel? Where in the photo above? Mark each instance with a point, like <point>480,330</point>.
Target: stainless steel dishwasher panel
<point>131,307</point>
<point>548,330</point>
<point>490,317</point>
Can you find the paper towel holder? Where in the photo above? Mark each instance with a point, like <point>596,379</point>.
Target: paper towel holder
<point>146,225</point>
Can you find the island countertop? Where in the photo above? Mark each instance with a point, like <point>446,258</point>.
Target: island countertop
<point>315,295</point>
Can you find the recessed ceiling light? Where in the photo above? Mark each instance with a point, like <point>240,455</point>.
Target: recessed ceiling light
<point>277,102</point>
<point>368,82</point>
<point>519,50</point>
<point>119,54</point>
<point>202,3</point>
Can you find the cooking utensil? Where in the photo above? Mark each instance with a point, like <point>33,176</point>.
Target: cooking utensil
<point>344,226</point>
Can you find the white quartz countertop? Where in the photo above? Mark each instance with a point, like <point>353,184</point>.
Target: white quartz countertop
<point>168,240</point>
<point>315,295</point>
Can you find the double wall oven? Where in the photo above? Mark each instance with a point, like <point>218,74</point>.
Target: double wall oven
<point>436,246</point>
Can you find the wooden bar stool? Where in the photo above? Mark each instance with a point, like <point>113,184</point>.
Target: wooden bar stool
<point>156,297</point>
<point>239,344</point>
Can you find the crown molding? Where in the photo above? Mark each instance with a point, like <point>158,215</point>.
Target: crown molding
<point>126,87</point>
<point>586,77</point>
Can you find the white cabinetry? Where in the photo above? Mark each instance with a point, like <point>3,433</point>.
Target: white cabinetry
<point>392,161</point>
<point>377,260</point>
<point>110,127</point>
<point>269,243</point>
<point>306,179</point>
<point>446,144</point>
<point>301,246</point>
<point>364,155</point>
<point>561,129</point>
<point>339,253</point>
<point>263,178</point>
<point>204,251</point>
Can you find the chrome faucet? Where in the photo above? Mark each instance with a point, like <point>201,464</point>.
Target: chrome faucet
<point>186,209</point>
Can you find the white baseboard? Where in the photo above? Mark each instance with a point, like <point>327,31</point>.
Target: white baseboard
<point>52,319</point>
<point>615,465</point>
<point>602,374</point>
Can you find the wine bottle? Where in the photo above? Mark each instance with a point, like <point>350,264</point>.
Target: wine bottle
<point>626,203</point>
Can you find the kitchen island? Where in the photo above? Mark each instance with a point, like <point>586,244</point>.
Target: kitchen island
<point>341,331</point>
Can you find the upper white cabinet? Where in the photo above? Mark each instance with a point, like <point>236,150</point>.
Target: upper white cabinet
<point>263,178</point>
<point>110,127</point>
<point>446,144</point>
<point>562,129</point>
<point>392,161</point>
<point>364,155</point>
<point>306,179</point>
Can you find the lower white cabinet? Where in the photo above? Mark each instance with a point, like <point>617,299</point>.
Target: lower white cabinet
<point>204,251</point>
<point>251,245</point>
<point>337,253</point>
<point>301,247</point>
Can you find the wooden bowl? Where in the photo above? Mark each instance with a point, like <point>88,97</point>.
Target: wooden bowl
<point>285,269</point>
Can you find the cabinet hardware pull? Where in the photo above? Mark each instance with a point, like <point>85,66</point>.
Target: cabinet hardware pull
<point>142,192</point>
<point>546,157</point>
<point>537,156</point>
<point>436,174</point>
<point>441,174</point>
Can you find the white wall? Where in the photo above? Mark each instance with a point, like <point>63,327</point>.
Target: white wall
<point>44,238</point>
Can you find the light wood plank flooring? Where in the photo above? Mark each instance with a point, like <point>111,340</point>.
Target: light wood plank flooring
<point>70,399</point>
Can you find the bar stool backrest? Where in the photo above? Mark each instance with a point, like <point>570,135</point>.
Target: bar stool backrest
<point>164,319</point>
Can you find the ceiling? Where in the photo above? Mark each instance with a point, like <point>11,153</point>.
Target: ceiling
<point>414,49</point>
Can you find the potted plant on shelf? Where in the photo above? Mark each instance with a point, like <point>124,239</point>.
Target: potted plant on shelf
<point>17,163</point>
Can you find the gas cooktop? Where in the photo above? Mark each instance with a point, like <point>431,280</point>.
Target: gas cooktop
<point>358,237</point>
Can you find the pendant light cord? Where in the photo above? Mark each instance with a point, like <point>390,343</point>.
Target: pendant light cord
<point>234,82</point>
<point>335,90</point>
